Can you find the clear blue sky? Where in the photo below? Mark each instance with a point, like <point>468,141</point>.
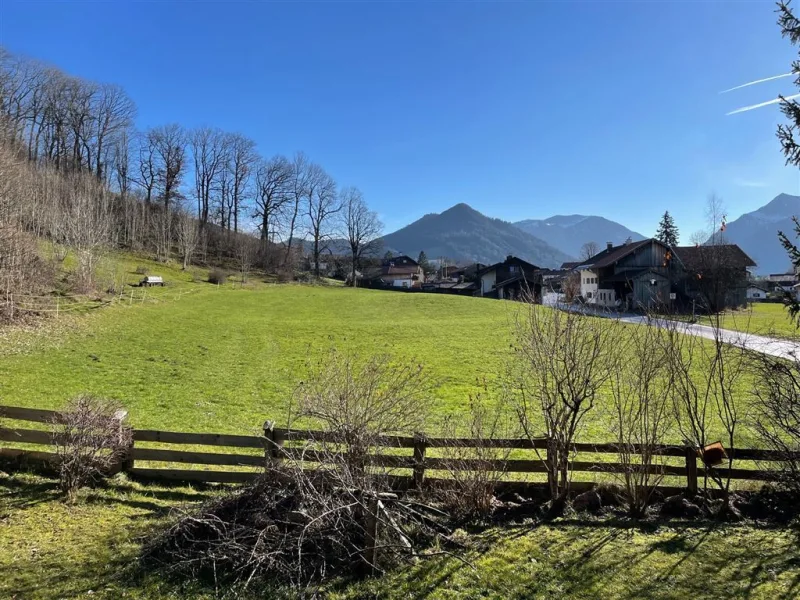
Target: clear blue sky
<point>520,109</point>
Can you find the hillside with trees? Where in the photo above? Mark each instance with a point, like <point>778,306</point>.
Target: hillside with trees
<point>76,173</point>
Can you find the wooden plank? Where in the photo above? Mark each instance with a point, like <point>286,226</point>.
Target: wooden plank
<point>28,455</point>
<point>294,435</point>
<point>537,466</point>
<point>199,439</point>
<point>28,436</point>
<point>199,458</point>
<point>742,474</point>
<point>375,460</point>
<point>765,455</point>
<point>37,415</point>
<point>195,475</point>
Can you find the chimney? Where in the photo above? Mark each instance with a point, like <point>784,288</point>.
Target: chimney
<point>508,258</point>
<point>609,245</point>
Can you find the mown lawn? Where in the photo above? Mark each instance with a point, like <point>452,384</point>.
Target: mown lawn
<point>49,549</point>
<point>226,359</point>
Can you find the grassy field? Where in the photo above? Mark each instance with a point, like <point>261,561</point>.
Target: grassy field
<point>49,549</point>
<point>226,359</point>
<point>197,357</point>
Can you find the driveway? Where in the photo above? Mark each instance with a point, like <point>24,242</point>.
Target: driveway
<point>757,343</point>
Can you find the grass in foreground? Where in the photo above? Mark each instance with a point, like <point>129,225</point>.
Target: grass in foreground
<point>49,549</point>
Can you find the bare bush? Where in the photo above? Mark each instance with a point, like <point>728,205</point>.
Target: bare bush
<point>705,378</point>
<point>561,361</point>
<point>217,276</point>
<point>777,391</point>
<point>360,402</point>
<point>474,468</point>
<point>642,416</point>
<point>90,441</point>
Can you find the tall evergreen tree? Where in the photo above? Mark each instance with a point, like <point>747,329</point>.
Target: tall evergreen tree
<point>790,28</point>
<point>422,260</point>
<point>667,230</point>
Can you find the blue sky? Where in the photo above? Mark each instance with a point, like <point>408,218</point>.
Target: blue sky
<point>520,109</point>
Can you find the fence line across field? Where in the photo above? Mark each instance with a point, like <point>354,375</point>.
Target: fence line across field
<point>282,444</point>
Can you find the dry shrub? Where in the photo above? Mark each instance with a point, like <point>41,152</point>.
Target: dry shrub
<point>777,393</point>
<point>90,441</point>
<point>475,467</point>
<point>561,362</point>
<point>217,276</point>
<point>641,400</point>
<point>142,270</point>
<point>360,402</point>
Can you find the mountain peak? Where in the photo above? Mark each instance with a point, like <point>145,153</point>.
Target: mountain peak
<point>781,205</point>
<point>463,234</point>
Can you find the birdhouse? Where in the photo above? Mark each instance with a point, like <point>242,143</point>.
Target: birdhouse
<point>713,454</point>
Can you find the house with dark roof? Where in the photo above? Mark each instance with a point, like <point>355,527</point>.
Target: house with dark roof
<point>649,273</point>
<point>510,279</point>
<point>716,275</point>
<point>399,272</point>
<point>630,275</point>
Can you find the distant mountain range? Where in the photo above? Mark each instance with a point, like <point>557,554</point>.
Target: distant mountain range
<point>757,233</point>
<point>463,234</point>
<point>569,232</point>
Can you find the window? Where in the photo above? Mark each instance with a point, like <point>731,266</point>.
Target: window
<point>588,294</point>
<point>513,269</point>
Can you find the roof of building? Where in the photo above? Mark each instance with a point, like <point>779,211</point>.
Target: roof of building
<point>400,260</point>
<point>568,266</point>
<point>509,260</point>
<point>611,255</point>
<point>698,257</point>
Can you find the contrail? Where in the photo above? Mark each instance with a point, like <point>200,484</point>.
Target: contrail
<point>767,103</point>
<point>738,87</point>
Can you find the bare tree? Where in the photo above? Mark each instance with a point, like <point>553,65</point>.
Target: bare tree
<point>562,360</point>
<point>241,160</point>
<point>588,250</point>
<point>113,115</point>
<point>571,286</point>
<point>273,193</point>
<point>209,153</point>
<point>169,143</point>
<point>188,235</point>
<point>322,205</point>
<point>362,227</point>
<point>148,168</point>
<point>299,190</point>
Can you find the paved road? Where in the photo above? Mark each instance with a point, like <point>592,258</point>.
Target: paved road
<point>757,343</point>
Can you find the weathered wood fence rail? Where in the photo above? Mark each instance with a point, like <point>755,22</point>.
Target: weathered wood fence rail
<point>278,444</point>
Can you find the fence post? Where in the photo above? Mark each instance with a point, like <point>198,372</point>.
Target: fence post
<point>420,446</point>
<point>691,470</point>
<point>126,460</point>
<point>275,440</point>
<point>371,505</point>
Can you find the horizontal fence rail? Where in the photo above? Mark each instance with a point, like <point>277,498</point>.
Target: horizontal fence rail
<point>420,459</point>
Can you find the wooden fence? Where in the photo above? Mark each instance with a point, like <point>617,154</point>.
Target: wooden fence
<point>416,455</point>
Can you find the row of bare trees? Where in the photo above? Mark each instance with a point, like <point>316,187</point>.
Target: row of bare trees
<point>75,171</point>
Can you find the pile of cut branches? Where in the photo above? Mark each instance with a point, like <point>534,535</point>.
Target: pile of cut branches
<point>298,528</point>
